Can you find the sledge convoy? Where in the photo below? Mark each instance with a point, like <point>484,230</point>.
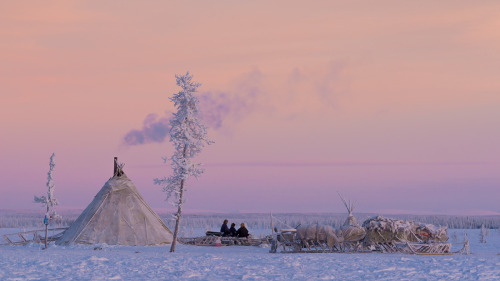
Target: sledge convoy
<point>377,234</point>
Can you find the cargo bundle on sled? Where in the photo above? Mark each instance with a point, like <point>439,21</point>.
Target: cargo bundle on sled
<point>389,235</point>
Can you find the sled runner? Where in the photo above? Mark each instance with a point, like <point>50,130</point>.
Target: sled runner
<point>36,236</point>
<point>212,240</point>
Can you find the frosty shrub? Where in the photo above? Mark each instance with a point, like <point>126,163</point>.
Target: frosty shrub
<point>482,235</point>
<point>49,201</point>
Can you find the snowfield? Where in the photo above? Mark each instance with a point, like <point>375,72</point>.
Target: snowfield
<point>84,262</point>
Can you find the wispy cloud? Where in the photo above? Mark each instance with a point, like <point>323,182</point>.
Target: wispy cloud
<point>320,87</point>
<point>331,83</point>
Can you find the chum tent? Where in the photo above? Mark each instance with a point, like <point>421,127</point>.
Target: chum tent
<point>351,230</point>
<point>118,215</point>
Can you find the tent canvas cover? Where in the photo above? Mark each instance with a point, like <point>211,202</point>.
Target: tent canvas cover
<point>118,215</point>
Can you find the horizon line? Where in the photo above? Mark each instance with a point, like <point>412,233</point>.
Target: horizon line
<point>163,210</point>
<point>332,163</point>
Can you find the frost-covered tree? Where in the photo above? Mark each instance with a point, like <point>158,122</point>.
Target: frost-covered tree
<point>49,201</point>
<point>482,235</point>
<point>188,135</point>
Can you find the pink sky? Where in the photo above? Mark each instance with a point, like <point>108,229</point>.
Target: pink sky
<point>394,104</point>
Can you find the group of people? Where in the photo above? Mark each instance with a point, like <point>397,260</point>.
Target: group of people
<point>232,232</point>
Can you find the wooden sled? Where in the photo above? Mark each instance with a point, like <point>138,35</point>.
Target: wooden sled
<point>287,242</point>
<point>224,241</point>
<point>36,236</point>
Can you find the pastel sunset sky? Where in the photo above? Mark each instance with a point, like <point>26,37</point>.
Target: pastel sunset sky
<point>395,104</point>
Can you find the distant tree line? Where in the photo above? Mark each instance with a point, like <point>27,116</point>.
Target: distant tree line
<point>33,219</point>
<point>291,220</point>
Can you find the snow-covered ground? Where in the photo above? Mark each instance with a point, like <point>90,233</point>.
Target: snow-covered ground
<point>81,262</point>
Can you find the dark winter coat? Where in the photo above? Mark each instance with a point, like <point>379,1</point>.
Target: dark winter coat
<point>242,232</point>
<point>224,229</point>
<point>232,232</point>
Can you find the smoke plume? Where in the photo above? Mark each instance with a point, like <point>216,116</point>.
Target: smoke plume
<point>302,91</point>
<point>154,129</point>
<point>216,109</point>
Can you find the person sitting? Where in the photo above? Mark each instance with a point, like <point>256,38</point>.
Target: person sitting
<point>232,230</point>
<point>224,230</point>
<point>242,231</point>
